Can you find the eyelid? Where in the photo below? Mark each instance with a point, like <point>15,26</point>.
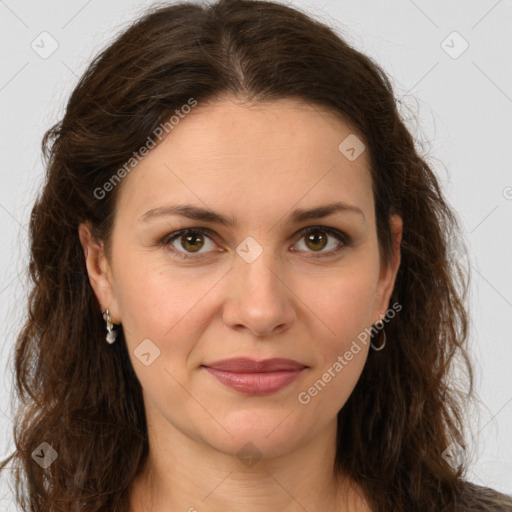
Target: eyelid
<point>336,233</point>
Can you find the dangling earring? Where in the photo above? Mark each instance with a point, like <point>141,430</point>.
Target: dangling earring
<point>111,335</point>
<point>383,344</point>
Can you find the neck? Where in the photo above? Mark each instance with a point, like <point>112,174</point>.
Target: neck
<point>185,474</point>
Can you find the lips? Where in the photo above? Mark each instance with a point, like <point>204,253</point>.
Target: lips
<point>247,365</point>
<point>255,377</point>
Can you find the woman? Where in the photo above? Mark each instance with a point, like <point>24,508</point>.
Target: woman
<point>243,293</point>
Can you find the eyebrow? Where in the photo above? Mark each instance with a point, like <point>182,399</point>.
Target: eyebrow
<point>207,215</point>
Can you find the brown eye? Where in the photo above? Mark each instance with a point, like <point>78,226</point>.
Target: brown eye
<point>187,242</point>
<point>317,238</point>
<point>191,242</point>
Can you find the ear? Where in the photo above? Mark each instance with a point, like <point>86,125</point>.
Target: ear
<point>388,272</point>
<point>98,269</point>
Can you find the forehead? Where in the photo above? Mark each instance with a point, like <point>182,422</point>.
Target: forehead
<point>283,153</point>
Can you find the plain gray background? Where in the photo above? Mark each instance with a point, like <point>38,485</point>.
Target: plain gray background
<point>462,99</point>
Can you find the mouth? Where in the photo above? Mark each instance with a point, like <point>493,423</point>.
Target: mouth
<point>253,377</point>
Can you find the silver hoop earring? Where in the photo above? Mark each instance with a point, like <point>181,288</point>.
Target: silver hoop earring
<point>383,344</point>
<point>111,335</point>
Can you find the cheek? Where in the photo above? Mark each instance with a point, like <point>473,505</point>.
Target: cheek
<point>342,352</point>
<point>172,308</point>
<point>158,315</point>
<point>344,309</point>
<point>149,302</point>
<point>345,303</point>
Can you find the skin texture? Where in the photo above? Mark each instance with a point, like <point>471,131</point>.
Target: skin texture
<point>256,163</point>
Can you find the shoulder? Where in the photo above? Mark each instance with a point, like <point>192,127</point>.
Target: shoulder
<point>476,498</point>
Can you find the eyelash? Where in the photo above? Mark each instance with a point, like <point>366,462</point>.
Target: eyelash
<point>342,237</point>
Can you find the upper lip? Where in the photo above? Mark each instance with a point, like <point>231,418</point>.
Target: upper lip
<point>247,365</point>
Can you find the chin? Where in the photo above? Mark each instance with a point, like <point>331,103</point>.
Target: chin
<point>254,436</point>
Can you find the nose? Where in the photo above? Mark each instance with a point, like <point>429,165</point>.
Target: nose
<point>258,298</point>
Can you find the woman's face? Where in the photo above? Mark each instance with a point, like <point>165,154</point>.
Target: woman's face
<point>258,288</point>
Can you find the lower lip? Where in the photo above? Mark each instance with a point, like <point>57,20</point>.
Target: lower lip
<point>261,383</point>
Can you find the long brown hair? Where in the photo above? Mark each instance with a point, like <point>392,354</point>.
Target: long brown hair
<point>81,395</point>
